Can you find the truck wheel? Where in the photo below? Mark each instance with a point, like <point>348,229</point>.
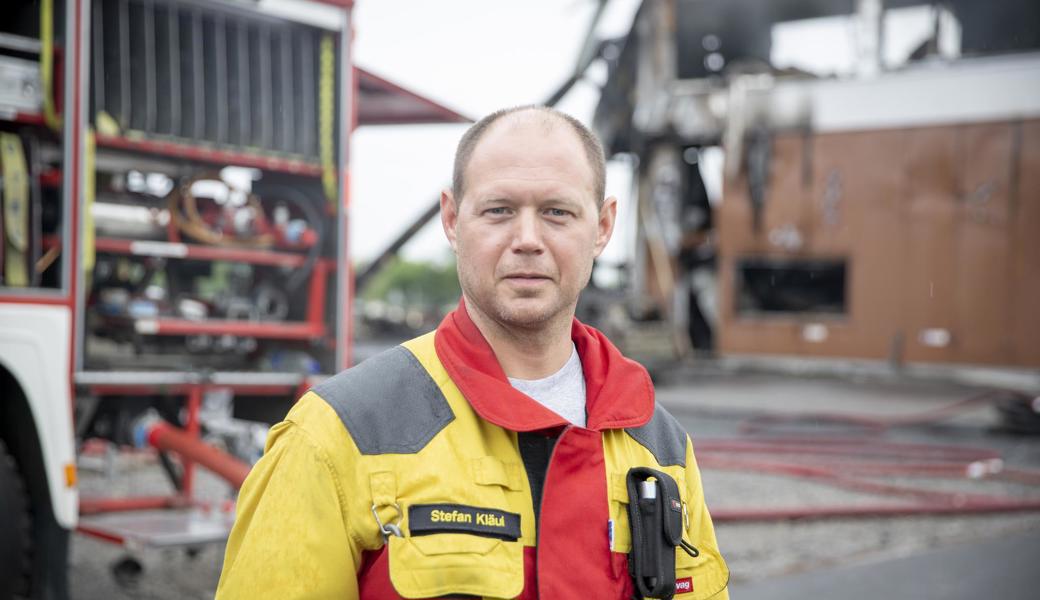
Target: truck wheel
<point>15,529</point>
<point>127,572</point>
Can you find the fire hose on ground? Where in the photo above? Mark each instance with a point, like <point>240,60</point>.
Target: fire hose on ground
<point>839,462</point>
<point>853,463</point>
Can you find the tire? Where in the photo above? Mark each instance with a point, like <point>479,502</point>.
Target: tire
<point>15,529</point>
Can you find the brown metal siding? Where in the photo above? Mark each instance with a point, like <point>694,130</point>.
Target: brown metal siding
<point>857,187</point>
<point>939,227</point>
<point>982,297</point>
<point>928,280</point>
<point>1025,309</point>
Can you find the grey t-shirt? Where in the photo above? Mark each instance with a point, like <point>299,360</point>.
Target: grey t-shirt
<point>563,392</point>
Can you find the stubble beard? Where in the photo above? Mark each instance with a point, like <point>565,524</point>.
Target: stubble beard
<point>529,318</point>
<point>511,315</point>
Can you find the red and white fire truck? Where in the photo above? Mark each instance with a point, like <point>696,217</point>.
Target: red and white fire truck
<point>173,237</point>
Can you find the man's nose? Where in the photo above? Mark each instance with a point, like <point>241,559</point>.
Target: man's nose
<point>527,235</point>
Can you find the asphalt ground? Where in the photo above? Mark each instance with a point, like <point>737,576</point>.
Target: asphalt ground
<point>987,555</point>
<point>1004,568</point>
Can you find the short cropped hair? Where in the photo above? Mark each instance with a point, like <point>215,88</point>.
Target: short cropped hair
<point>589,141</point>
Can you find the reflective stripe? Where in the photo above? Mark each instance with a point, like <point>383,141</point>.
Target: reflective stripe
<point>388,403</point>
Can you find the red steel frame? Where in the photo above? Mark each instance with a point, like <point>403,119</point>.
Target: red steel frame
<point>267,331</point>
<point>194,405</point>
<point>312,327</point>
<point>201,252</point>
<point>193,393</point>
<point>212,155</point>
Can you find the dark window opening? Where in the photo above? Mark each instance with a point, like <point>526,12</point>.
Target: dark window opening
<point>791,286</point>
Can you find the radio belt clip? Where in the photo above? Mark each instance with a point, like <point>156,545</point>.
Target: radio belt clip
<point>655,513</point>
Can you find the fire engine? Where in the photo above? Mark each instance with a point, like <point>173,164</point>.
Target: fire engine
<point>173,247</point>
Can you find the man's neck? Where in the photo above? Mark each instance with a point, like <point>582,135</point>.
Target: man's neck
<point>526,353</point>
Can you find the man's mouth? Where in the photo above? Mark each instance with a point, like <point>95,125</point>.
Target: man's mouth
<point>526,278</point>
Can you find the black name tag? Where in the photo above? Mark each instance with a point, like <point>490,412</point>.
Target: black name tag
<point>424,519</point>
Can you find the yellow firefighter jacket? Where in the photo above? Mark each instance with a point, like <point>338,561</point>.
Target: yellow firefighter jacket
<point>421,473</point>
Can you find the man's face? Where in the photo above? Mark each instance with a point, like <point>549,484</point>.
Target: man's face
<point>528,227</point>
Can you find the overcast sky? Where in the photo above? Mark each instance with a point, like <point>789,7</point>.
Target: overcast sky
<point>473,56</point>
<point>476,56</point>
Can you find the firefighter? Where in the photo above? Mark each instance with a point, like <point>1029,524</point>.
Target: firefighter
<point>487,458</point>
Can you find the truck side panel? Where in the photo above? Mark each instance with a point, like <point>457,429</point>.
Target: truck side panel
<point>34,348</point>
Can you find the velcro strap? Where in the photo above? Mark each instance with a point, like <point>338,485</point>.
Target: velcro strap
<point>619,487</point>
<point>490,470</point>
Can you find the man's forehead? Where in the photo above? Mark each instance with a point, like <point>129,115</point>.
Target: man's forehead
<point>548,164</point>
<point>546,144</point>
<point>530,137</point>
<point>527,123</point>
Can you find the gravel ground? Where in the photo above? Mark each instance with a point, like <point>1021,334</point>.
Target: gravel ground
<point>709,407</point>
<point>168,573</point>
<point>715,407</point>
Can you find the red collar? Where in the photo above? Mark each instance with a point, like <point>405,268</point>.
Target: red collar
<point>618,391</point>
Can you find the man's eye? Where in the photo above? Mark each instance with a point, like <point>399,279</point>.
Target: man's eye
<point>557,212</point>
<point>497,211</point>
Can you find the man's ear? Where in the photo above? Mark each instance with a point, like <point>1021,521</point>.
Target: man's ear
<point>449,216</point>
<point>605,226</point>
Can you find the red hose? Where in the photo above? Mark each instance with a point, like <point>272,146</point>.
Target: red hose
<point>856,463</point>
<point>872,424</point>
<point>164,436</point>
<point>743,515</point>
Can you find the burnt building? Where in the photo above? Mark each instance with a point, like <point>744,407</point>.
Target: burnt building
<point>885,212</point>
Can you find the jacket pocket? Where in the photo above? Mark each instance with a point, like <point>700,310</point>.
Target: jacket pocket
<point>441,564</point>
<point>700,577</point>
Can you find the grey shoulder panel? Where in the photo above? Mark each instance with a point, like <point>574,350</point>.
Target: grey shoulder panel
<point>663,436</point>
<point>388,403</point>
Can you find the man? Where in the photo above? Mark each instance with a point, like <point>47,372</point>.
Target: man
<point>488,458</point>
